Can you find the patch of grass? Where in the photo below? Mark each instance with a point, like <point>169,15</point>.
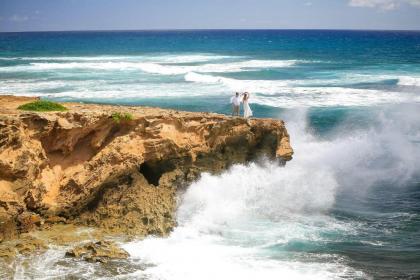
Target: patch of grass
<point>119,117</point>
<point>42,106</point>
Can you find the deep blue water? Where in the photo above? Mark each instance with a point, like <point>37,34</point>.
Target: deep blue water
<point>347,206</point>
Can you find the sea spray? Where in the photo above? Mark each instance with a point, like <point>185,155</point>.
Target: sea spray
<point>365,195</point>
<point>381,148</point>
<point>239,217</point>
<point>264,220</point>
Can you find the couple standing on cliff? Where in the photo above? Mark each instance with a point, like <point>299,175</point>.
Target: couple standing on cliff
<point>236,104</point>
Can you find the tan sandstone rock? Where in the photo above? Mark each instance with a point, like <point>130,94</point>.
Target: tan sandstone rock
<point>25,245</point>
<point>101,251</point>
<point>81,166</point>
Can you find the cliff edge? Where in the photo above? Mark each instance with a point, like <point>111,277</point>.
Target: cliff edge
<point>84,167</point>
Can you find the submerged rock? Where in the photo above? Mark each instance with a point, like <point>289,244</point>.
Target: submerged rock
<point>81,166</point>
<point>101,251</point>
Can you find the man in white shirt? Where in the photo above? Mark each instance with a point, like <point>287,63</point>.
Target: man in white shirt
<point>236,104</point>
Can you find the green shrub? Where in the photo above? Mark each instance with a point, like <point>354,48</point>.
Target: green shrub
<point>42,106</point>
<point>118,117</point>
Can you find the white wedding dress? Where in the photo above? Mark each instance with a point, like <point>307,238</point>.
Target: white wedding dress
<point>247,109</point>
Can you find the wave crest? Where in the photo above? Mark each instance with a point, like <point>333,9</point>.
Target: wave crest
<point>170,68</point>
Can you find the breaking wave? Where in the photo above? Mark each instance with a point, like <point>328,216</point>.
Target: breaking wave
<point>230,224</point>
<point>151,67</point>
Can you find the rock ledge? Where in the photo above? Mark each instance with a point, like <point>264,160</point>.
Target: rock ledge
<point>100,251</point>
<point>83,167</point>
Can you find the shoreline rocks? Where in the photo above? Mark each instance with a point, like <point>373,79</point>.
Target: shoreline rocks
<point>100,251</point>
<point>82,167</point>
<point>25,245</point>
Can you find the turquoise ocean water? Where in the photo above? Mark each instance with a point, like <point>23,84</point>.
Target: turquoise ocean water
<point>346,207</point>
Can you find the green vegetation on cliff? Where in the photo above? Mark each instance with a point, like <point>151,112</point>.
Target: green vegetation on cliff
<point>118,117</point>
<point>42,106</point>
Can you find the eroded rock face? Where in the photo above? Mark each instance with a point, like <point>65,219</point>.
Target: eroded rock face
<point>25,245</point>
<point>101,251</point>
<point>81,166</point>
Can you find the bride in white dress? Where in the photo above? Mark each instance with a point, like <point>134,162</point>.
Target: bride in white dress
<point>247,109</point>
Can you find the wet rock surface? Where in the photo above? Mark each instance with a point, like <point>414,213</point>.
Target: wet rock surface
<point>25,245</point>
<point>100,251</point>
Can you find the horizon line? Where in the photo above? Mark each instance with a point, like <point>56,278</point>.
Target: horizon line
<point>215,29</point>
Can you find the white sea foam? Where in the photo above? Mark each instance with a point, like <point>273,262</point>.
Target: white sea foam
<point>409,81</point>
<point>261,86</point>
<point>238,225</point>
<point>218,214</point>
<point>132,79</point>
<point>230,244</point>
<point>227,221</point>
<point>348,79</point>
<point>151,67</point>
<point>282,93</point>
<point>265,86</point>
<point>186,255</point>
<point>332,96</point>
<point>269,93</point>
<point>107,66</point>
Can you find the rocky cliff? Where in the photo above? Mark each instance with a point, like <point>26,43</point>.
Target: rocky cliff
<point>84,167</point>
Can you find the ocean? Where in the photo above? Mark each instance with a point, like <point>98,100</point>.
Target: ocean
<point>346,207</point>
